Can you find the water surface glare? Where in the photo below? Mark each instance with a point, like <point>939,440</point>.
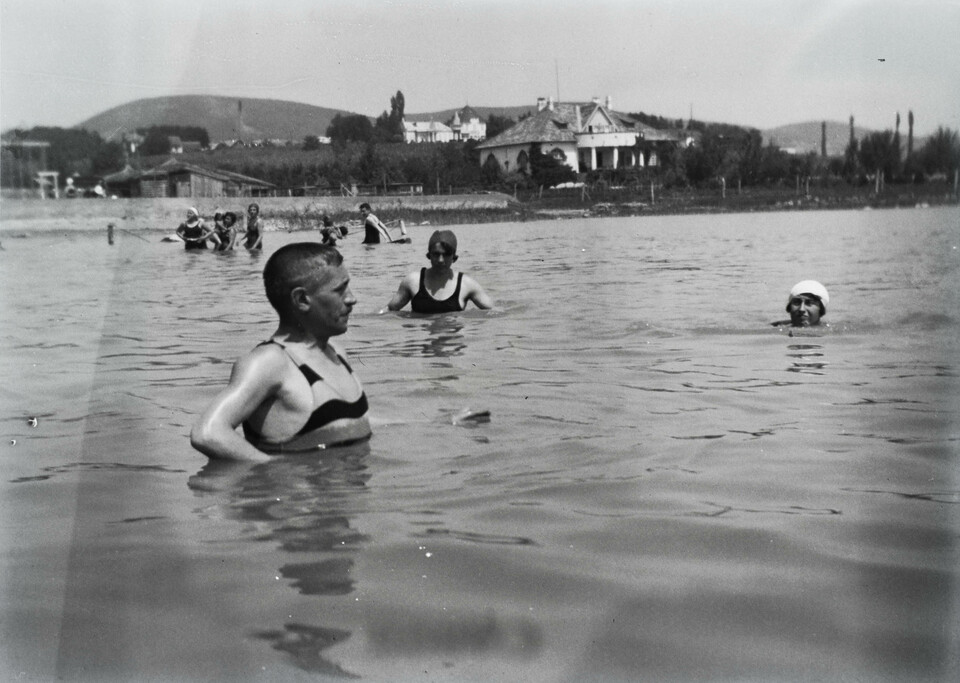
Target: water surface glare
<point>669,489</point>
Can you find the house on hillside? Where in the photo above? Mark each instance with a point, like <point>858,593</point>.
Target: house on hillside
<point>426,131</point>
<point>467,125</point>
<point>585,136</point>
<point>174,144</point>
<point>175,178</point>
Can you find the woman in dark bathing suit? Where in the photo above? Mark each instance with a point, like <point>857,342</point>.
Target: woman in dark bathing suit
<point>439,288</point>
<point>254,236</point>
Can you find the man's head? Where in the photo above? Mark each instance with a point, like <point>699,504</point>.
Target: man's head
<point>301,265</point>
<point>229,218</point>
<point>365,209</point>
<point>442,246</point>
<point>807,303</point>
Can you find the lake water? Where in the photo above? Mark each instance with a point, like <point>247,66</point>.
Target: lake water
<point>668,490</point>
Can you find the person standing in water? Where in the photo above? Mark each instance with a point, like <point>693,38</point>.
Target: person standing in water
<point>374,229</point>
<point>194,233</point>
<point>439,288</point>
<point>254,237</point>
<point>330,233</point>
<point>226,231</point>
<point>294,392</point>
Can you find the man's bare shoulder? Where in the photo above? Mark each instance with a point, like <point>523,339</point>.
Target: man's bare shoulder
<point>266,360</point>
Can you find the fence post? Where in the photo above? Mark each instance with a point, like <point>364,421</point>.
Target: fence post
<point>723,187</point>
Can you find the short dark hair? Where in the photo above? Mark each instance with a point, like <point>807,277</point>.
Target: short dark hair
<point>366,206</point>
<point>292,266</point>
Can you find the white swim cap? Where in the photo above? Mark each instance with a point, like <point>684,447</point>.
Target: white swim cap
<point>810,287</point>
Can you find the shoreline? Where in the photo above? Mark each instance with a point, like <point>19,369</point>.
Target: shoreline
<point>21,217</point>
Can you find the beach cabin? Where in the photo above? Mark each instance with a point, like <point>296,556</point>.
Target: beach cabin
<point>175,178</point>
<point>585,136</point>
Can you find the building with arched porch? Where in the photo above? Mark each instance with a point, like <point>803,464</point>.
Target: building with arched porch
<point>585,136</point>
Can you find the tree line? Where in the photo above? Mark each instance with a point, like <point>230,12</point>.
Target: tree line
<point>365,152</point>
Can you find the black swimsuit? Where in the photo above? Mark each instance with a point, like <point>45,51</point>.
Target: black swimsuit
<point>192,232</point>
<point>329,411</point>
<point>422,302</point>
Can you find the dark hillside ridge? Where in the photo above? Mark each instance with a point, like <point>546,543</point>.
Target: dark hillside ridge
<point>260,119</point>
<point>484,112</point>
<point>805,137</point>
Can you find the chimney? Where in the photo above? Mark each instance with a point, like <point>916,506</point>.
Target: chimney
<point>541,103</point>
<point>550,103</point>
<point>595,100</point>
<point>607,105</point>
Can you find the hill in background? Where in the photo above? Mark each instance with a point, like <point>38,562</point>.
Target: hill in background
<point>484,112</point>
<point>221,116</point>
<point>805,137</point>
<point>279,119</point>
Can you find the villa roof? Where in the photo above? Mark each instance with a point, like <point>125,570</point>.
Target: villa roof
<point>468,113</point>
<point>557,124</point>
<point>426,126</point>
<point>561,123</point>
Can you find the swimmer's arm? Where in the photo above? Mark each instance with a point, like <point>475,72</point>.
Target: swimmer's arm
<point>476,294</point>
<point>403,295</point>
<point>380,226</point>
<point>233,239</point>
<point>254,379</point>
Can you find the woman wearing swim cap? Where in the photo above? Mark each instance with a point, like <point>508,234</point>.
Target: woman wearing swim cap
<point>439,288</point>
<point>194,233</point>
<point>806,304</point>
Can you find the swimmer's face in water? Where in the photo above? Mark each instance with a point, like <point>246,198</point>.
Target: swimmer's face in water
<point>804,310</point>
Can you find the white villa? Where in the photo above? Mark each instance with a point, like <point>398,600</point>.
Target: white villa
<point>426,131</point>
<point>585,136</point>
<point>467,125</point>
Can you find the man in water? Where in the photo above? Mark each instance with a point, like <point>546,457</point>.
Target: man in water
<point>294,392</point>
<point>439,288</point>
<point>806,304</point>
<point>373,228</point>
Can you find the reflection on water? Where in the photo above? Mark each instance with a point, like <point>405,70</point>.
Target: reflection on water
<point>437,336</point>
<point>302,503</point>
<point>610,477</point>
<point>808,359</point>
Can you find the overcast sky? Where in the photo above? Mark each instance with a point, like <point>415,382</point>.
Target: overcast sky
<point>756,63</point>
